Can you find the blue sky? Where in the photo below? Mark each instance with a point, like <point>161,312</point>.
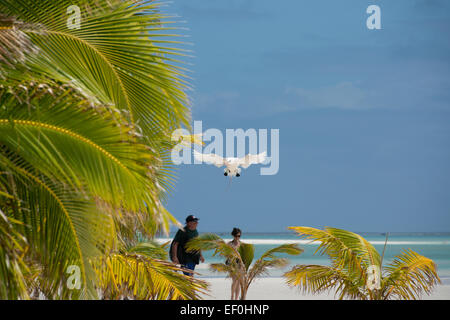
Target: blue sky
<point>364,115</point>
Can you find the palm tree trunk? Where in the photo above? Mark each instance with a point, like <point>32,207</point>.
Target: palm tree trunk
<point>243,294</point>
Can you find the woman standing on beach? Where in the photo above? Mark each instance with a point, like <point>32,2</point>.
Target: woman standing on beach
<point>235,243</point>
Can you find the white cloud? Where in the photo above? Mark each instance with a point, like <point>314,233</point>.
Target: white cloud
<point>343,95</point>
<point>208,101</point>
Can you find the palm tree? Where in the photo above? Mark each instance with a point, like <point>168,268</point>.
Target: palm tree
<point>85,121</point>
<point>356,270</point>
<point>240,265</point>
<point>143,272</point>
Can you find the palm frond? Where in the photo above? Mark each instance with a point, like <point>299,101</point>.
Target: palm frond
<point>269,259</point>
<point>126,42</point>
<point>361,247</point>
<point>142,277</point>
<point>14,44</point>
<point>12,248</point>
<point>72,143</point>
<point>247,253</point>
<point>223,268</point>
<point>291,249</point>
<point>344,248</point>
<point>86,117</point>
<point>354,262</point>
<point>410,275</point>
<point>210,241</point>
<point>317,279</point>
<point>149,249</point>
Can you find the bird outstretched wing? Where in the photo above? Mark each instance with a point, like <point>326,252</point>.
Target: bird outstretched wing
<point>250,159</point>
<point>210,158</point>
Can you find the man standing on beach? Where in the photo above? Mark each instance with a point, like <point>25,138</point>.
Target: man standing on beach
<point>181,238</point>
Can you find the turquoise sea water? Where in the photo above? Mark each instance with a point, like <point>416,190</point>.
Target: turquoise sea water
<point>435,246</point>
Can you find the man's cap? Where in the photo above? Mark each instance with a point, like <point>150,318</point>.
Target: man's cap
<point>190,218</point>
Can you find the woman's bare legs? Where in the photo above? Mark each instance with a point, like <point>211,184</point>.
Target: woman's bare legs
<point>235,289</point>
<point>238,290</point>
<point>233,285</point>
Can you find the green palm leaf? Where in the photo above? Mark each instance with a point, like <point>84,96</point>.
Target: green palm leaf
<point>355,271</point>
<point>239,261</point>
<point>269,259</point>
<point>410,275</point>
<point>346,249</point>
<point>247,253</point>
<point>12,266</point>
<point>85,122</point>
<point>139,275</point>
<point>316,279</point>
<point>118,55</point>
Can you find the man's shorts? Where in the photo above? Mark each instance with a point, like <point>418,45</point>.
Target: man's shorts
<point>190,266</point>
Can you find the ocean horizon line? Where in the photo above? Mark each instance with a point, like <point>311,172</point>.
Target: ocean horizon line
<point>311,242</point>
<point>367,233</point>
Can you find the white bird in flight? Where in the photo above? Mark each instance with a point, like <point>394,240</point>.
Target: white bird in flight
<point>232,165</point>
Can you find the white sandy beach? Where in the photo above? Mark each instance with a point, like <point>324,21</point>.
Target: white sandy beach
<point>276,289</point>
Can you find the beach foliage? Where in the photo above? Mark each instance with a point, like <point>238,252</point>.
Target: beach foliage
<point>241,264</point>
<point>356,270</point>
<point>143,272</point>
<point>86,116</point>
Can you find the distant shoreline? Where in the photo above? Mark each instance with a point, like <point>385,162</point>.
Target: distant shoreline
<point>368,233</point>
